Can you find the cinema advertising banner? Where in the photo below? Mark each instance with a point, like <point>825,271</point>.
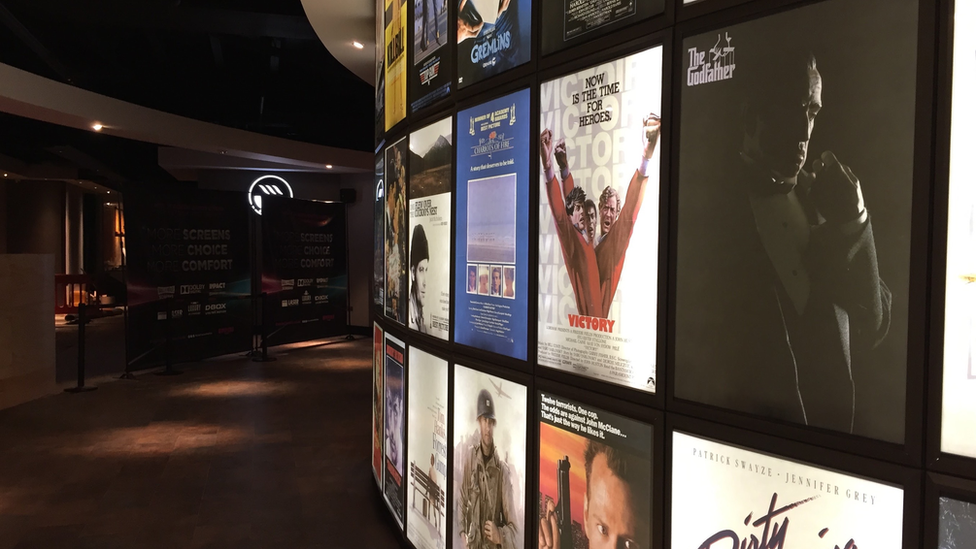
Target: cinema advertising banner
<point>430,76</point>
<point>393,423</point>
<point>569,22</point>
<point>761,500</point>
<point>379,354</point>
<point>595,477</point>
<point>395,239</point>
<point>493,36</point>
<point>304,269</point>
<point>491,268</point>
<point>598,220</point>
<point>794,216</point>
<point>959,359</point>
<point>427,451</point>
<point>489,461</point>
<point>189,261</point>
<point>395,40</point>
<point>431,167</point>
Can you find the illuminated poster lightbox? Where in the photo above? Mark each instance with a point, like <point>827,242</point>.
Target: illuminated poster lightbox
<point>959,359</point>
<point>598,220</point>
<point>491,271</point>
<point>427,451</point>
<point>489,461</point>
<point>395,242</point>
<point>394,428</point>
<point>379,354</point>
<point>723,497</point>
<point>493,36</point>
<point>794,216</point>
<point>595,477</point>
<point>429,270</point>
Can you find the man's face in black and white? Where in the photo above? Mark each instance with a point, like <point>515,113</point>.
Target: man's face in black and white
<point>784,121</point>
<point>419,273</point>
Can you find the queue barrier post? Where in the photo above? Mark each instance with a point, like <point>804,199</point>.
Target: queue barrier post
<point>263,357</point>
<point>82,320</point>
<point>168,345</point>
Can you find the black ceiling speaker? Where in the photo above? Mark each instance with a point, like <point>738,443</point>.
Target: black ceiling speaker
<point>347,196</point>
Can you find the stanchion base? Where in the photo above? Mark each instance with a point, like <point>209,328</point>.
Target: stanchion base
<point>350,337</point>
<point>127,375</point>
<point>263,359</point>
<point>169,373</point>
<point>80,389</point>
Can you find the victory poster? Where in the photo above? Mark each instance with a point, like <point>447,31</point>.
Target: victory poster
<point>429,272</point>
<point>724,496</point>
<point>393,485</point>
<point>489,461</point>
<point>959,359</point>
<point>396,232</point>
<point>595,477</point>
<point>490,271</point>
<point>493,36</point>
<point>427,451</point>
<point>794,216</point>
<point>598,220</point>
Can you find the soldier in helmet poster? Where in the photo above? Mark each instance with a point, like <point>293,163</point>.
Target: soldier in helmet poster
<point>489,461</point>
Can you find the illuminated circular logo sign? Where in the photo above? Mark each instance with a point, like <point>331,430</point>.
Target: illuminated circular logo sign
<point>268,185</point>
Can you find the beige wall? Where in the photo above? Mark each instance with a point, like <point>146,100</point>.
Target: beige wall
<point>27,359</point>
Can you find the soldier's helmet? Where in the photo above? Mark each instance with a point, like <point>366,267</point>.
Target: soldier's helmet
<point>486,405</point>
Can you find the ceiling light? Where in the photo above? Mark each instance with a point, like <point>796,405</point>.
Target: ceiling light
<point>5,175</point>
<point>357,44</point>
<point>328,166</point>
<point>97,127</point>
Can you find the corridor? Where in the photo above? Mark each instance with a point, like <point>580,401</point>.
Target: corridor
<point>230,454</point>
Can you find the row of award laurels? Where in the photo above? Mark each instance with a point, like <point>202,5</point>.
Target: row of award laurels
<point>737,265</point>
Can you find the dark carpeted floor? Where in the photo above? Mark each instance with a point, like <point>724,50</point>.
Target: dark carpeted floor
<point>230,454</point>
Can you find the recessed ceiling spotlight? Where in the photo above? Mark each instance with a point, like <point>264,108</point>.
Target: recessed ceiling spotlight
<point>97,127</point>
<point>357,44</point>
<point>328,166</point>
<point>5,175</point>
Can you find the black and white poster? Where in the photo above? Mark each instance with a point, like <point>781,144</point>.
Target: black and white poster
<point>395,243</point>
<point>394,426</point>
<point>957,523</point>
<point>595,477</point>
<point>794,216</point>
<point>430,76</point>
<point>959,358</point>
<point>493,36</point>
<point>431,161</point>
<point>598,220</point>
<point>569,22</point>
<point>725,497</point>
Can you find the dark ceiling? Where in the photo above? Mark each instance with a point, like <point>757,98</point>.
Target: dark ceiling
<point>255,65</point>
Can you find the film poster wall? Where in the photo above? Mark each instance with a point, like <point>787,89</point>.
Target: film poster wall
<point>430,76</point>
<point>492,37</point>
<point>959,368</point>
<point>189,252</point>
<point>393,423</point>
<point>427,451</point>
<point>304,269</point>
<point>490,274</point>
<point>395,241</point>
<point>430,167</point>
<point>752,496</point>
<point>395,41</point>
<point>794,211</point>
<point>599,188</point>
<point>489,460</point>
<point>595,477</point>
<point>569,23</point>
